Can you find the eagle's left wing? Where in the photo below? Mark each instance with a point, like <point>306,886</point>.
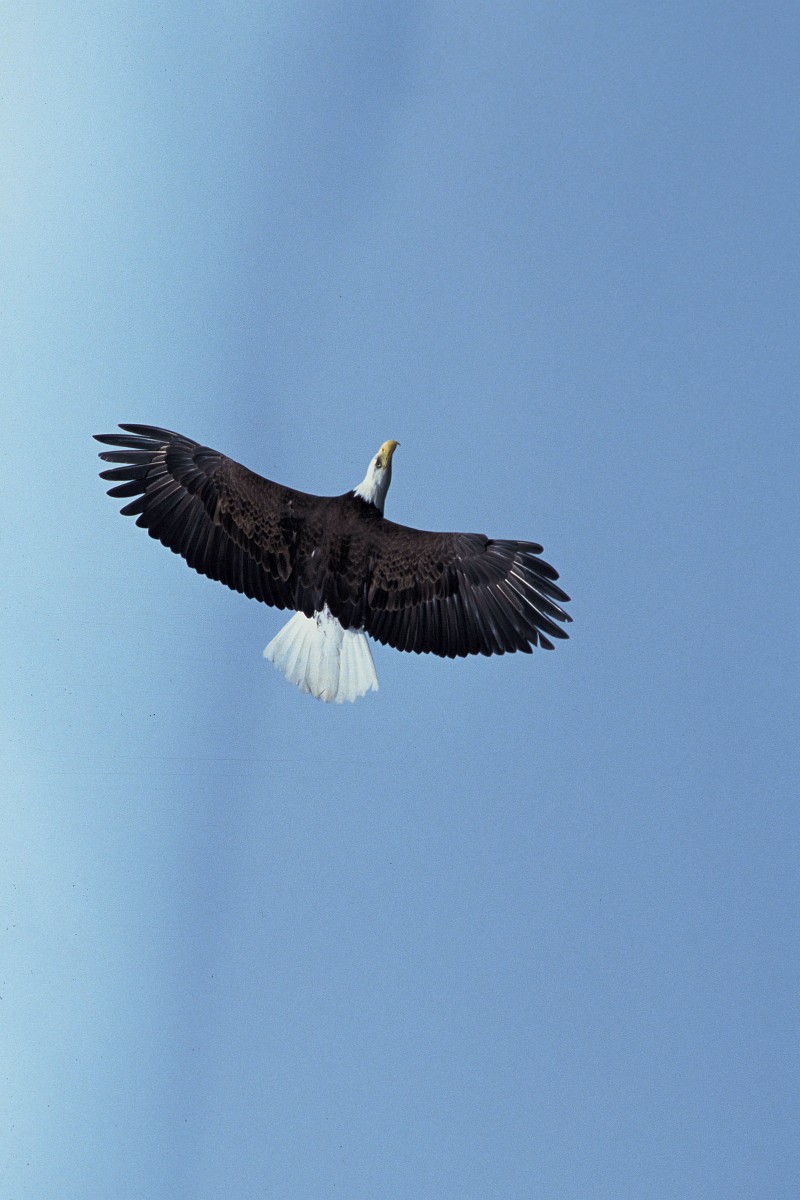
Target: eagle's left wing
<point>454,594</point>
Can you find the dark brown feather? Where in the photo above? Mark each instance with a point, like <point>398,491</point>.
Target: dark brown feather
<point>450,594</point>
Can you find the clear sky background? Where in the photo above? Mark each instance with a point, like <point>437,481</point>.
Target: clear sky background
<point>520,927</point>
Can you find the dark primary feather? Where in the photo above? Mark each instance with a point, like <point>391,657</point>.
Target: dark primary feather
<point>450,594</point>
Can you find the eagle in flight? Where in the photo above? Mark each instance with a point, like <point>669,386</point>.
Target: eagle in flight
<point>336,561</point>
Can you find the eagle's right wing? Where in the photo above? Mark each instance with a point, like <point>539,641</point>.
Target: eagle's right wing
<point>227,522</point>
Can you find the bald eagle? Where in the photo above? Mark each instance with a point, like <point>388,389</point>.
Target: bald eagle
<point>344,569</point>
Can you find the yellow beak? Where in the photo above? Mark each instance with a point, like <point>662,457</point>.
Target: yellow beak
<point>386,451</point>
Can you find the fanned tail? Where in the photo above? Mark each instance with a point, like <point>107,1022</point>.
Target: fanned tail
<point>321,658</point>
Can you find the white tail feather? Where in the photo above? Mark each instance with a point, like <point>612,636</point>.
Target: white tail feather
<point>320,657</point>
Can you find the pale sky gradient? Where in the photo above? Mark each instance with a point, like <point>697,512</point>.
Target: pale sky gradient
<point>520,927</point>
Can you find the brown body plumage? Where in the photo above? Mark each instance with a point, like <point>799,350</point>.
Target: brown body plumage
<point>450,594</point>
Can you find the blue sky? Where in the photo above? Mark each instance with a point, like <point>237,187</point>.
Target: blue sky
<point>512,927</point>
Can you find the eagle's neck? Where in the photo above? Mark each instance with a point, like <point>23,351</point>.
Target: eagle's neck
<point>375,484</point>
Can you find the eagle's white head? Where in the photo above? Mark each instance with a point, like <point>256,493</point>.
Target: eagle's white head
<point>375,484</point>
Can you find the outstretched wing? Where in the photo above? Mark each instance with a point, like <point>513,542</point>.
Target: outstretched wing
<point>454,594</point>
<point>227,522</point>
<point>450,594</point>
